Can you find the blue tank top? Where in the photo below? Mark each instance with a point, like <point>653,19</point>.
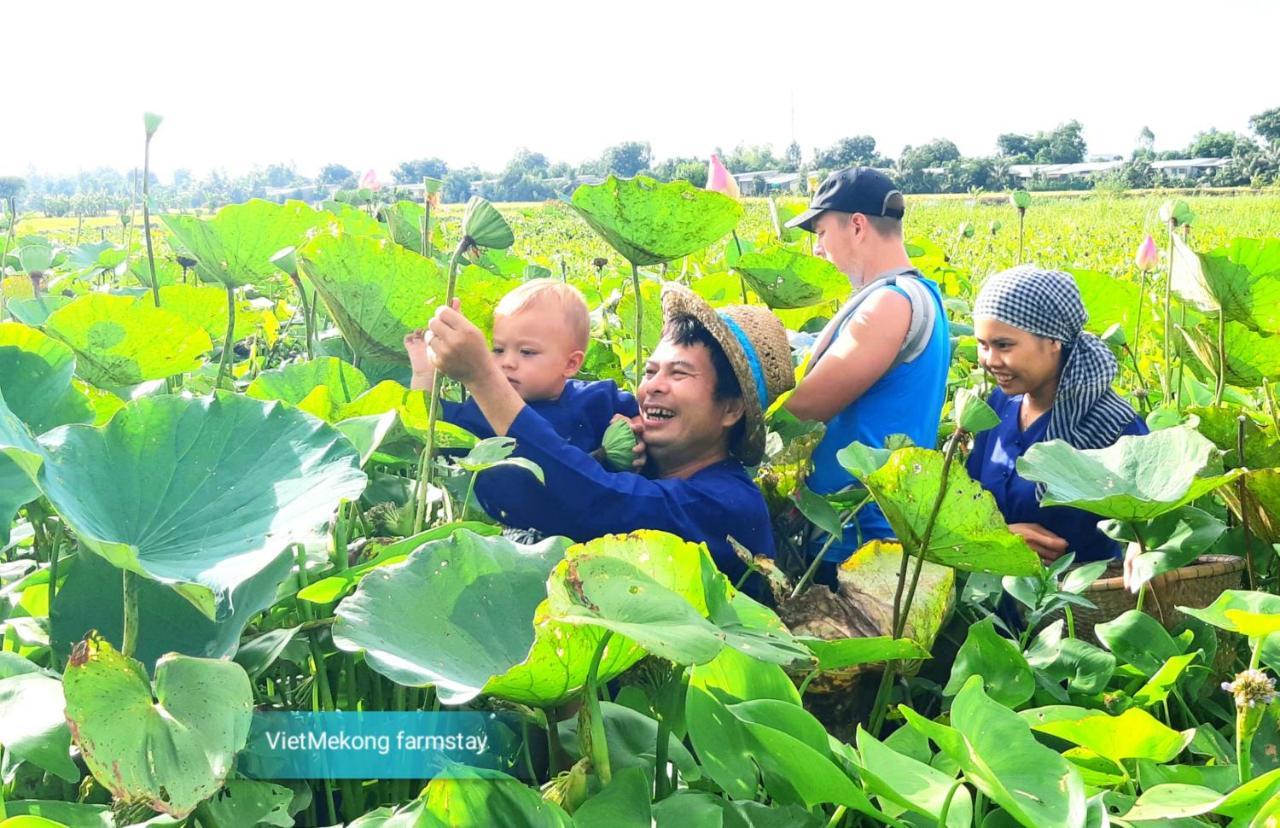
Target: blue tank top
<point>907,400</point>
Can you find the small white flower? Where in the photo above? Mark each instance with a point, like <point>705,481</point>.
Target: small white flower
<point>1252,688</point>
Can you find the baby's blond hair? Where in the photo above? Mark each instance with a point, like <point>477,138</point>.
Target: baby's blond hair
<point>570,299</point>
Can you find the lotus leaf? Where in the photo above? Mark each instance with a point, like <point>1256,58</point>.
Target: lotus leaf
<point>1242,278</point>
<point>20,459</point>
<point>355,221</point>
<point>33,724</point>
<point>1134,734</point>
<point>411,407</point>
<point>58,814</point>
<point>235,247</point>
<point>1137,478</point>
<point>205,307</point>
<point>170,747</point>
<point>1109,301</point>
<point>649,223</point>
<point>379,291</point>
<point>786,278</point>
<point>632,738</point>
<point>201,494</point>
<point>969,534</point>
<point>120,341</point>
<point>249,802</point>
<point>458,799</point>
<point>404,224</point>
<point>298,383</point>
<point>999,756</point>
<point>90,599</point>
<point>1221,425</point>
<point>910,783</point>
<point>972,414</point>
<point>651,320</point>
<point>35,376</point>
<point>478,624</point>
<point>850,652</point>
<point>1251,357</point>
<point>36,312</point>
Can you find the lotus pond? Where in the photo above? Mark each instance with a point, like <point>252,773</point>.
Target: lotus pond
<point>218,498</point>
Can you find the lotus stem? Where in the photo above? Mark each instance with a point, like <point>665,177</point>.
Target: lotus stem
<point>1242,494</point>
<point>741,279</point>
<point>1222,358</point>
<point>555,750</point>
<point>1022,216</point>
<point>637,369</point>
<point>426,221</point>
<point>1244,746</point>
<point>229,342</point>
<point>661,779</point>
<point>424,462</point>
<point>129,633</point>
<point>1168,318</point>
<point>1142,300</point>
<point>12,203</point>
<point>146,219</point>
<point>307,319</point>
<point>598,748</point>
<point>817,560</point>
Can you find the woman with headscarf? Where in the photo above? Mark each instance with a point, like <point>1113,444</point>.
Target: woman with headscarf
<point>1054,383</point>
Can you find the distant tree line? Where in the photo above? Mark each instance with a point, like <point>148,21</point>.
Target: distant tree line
<point>936,166</point>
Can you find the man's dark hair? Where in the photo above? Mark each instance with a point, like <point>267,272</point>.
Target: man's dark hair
<point>686,331</point>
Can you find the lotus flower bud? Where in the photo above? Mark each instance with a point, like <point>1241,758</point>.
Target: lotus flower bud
<point>966,229</point>
<point>1148,255</point>
<point>369,181</point>
<point>719,180</point>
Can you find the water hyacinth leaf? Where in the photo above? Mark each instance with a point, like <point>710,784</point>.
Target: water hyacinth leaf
<point>120,341</point>
<point>33,724</point>
<point>1084,667</point>
<point>170,746</point>
<point>998,754</point>
<point>732,675</point>
<point>59,814</point>
<point>911,784</point>
<point>1173,540</point>
<point>1136,479</point>
<point>1134,734</point>
<point>250,802</point>
<point>1242,278</point>
<point>1159,686</point>
<point>90,599</point>
<point>1007,676</point>
<point>818,511</point>
<point>632,738</point>
<point>786,278</point>
<point>969,533</point>
<point>624,802</point>
<point>235,247</point>
<point>1139,640</point>
<point>378,291</point>
<point>1174,801</point>
<point>35,377</point>
<point>200,494</point>
<point>478,625</point>
<point>850,652</point>
<point>296,382</point>
<point>649,222</point>
<point>469,798</point>
<point>1239,611</point>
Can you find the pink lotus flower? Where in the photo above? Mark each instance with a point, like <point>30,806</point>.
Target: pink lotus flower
<point>369,181</point>
<point>1148,255</point>
<point>719,180</point>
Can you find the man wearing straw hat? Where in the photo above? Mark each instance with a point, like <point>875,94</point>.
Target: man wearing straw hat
<point>702,402</point>
<point>879,368</point>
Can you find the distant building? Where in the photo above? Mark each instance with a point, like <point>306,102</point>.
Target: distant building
<point>765,182</point>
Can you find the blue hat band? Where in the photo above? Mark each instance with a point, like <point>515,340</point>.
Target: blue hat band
<point>752,362</point>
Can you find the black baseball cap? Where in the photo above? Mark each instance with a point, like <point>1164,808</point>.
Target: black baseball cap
<point>853,190</point>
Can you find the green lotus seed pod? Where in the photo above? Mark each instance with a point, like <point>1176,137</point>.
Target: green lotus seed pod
<point>995,227</point>
<point>966,229</point>
<point>1020,199</point>
<point>1178,212</point>
<point>619,443</point>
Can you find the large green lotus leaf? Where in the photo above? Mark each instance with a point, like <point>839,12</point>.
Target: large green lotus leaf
<point>869,579</point>
<point>999,756</point>
<point>170,746</point>
<point>1134,734</point>
<point>250,802</point>
<point>235,247</point>
<point>1109,301</point>
<point>1221,425</point>
<point>35,312</point>
<point>1138,478</point>
<point>786,278</point>
<point>20,460</point>
<point>378,291</point>
<point>297,383</point>
<point>612,594</point>
<point>205,307</point>
<point>201,494</point>
<point>477,625</point>
<point>121,341</point>
<point>910,783</point>
<point>969,534</point>
<point>411,408</point>
<point>90,598</point>
<point>35,377</point>
<point>353,220</point>
<point>404,224</point>
<point>1242,278</point>
<point>648,222</point>
<point>1251,357</point>
<point>556,667</point>
<point>33,724</point>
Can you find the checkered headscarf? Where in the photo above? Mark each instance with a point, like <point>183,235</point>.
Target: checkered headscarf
<point>1086,412</point>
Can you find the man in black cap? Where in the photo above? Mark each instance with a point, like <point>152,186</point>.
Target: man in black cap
<point>880,366</point>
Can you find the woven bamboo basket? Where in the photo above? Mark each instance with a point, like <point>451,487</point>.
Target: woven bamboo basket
<point>1197,585</point>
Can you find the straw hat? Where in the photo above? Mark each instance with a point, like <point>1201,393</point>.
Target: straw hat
<point>755,343</point>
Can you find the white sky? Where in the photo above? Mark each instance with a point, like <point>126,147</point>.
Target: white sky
<point>250,83</point>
